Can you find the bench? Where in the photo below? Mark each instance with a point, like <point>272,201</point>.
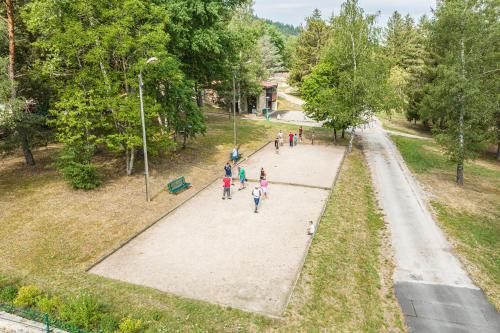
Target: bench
<point>177,185</point>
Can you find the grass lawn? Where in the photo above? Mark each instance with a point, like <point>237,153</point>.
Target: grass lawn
<point>50,234</point>
<point>397,122</point>
<point>285,105</point>
<point>470,216</point>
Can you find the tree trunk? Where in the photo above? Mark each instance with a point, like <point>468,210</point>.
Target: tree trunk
<point>461,144</point>
<point>130,160</point>
<point>335,135</point>
<point>184,139</point>
<point>498,151</point>
<point>343,133</point>
<point>199,97</point>
<point>460,172</point>
<point>12,46</point>
<point>28,156</point>
<point>351,140</point>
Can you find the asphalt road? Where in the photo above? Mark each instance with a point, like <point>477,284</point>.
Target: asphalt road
<point>433,289</point>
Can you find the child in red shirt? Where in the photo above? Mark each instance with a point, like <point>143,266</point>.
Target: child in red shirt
<point>227,188</point>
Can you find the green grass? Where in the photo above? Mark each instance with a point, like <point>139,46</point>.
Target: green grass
<point>397,122</point>
<point>53,233</point>
<point>470,216</point>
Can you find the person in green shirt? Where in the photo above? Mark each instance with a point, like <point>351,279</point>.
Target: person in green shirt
<point>242,177</point>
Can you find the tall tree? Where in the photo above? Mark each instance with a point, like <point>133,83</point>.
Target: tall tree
<point>308,48</point>
<point>348,84</point>
<point>461,37</point>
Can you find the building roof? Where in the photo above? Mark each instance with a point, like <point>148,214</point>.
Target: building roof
<point>269,84</point>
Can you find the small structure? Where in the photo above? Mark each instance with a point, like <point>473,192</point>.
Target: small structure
<point>268,99</point>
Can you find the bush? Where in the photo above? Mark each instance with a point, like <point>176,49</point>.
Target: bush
<point>27,296</point>
<point>108,323</point>
<point>130,325</point>
<point>82,311</point>
<point>74,163</point>
<point>7,294</point>
<point>50,305</point>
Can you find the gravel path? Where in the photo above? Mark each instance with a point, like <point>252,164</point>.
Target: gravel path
<point>222,252</point>
<point>433,289</point>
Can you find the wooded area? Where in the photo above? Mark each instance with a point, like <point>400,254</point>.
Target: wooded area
<point>442,71</point>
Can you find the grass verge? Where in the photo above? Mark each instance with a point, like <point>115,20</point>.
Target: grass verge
<point>470,216</point>
<point>49,234</point>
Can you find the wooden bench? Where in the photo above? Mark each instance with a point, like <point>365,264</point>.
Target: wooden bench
<point>177,185</point>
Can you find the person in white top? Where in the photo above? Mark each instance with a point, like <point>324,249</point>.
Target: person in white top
<point>280,138</point>
<point>256,194</point>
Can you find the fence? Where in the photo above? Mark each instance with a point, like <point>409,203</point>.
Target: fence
<point>48,323</point>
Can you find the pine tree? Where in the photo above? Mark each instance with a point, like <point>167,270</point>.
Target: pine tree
<point>309,46</point>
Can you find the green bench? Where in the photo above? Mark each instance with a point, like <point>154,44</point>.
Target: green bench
<point>177,185</point>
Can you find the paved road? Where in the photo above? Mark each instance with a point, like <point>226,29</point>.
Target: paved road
<point>292,99</point>
<point>433,289</point>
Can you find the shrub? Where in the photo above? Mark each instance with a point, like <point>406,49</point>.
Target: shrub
<point>82,311</point>
<point>27,296</point>
<point>74,163</point>
<point>108,323</point>
<point>130,325</point>
<point>50,305</point>
<point>7,294</point>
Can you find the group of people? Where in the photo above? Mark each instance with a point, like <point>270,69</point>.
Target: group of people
<point>260,191</point>
<point>293,139</point>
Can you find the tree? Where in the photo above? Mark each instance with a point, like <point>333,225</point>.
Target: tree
<point>348,84</point>
<point>309,46</point>
<point>200,38</point>
<point>406,51</point>
<point>22,123</point>
<point>270,55</point>
<point>461,36</point>
<point>96,50</point>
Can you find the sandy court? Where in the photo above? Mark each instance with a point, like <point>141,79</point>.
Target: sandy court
<point>222,252</point>
<point>303,164</point>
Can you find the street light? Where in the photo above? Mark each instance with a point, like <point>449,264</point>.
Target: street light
<point>145,147</point>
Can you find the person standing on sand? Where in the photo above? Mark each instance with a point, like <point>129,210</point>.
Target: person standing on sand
<point>262,173</point>
<point>301,131</point>
<point>243,178</point>
<point>295,139</point>
<point>290,139</point>
<point>280,137</point>
<point>312,138</point>
<point>263,186</point>
<point>228,171</point>
<point>227,188</point>
<point>277,146</point>
<point>256,194</point>
<point>234,155</point>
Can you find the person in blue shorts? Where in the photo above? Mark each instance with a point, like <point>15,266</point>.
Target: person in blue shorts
<point>256,194</point>
<point>228,171</point>
<point>234,155</point>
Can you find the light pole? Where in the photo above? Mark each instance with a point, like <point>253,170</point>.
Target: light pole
<point>145,146</point>
<point>234,106</point>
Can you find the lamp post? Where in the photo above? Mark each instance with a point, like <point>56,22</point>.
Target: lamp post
<point>234,107</point>
<point>145,146</point>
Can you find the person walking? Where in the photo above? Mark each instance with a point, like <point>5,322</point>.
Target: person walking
<point>301,131</point>
<point>262,173</point>
<point>227,188</point>
<point>312,138</point>
<point>277,146</point>
<point>295,139</point>
<point>280,137</point>
<point>243,178</point>
<point>290,139</point>
<point>263,186</point>
<point>256,194</point>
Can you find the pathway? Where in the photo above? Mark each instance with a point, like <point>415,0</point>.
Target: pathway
<point>291,99</point>
<point>10,323</point>
<point>433,289</point>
